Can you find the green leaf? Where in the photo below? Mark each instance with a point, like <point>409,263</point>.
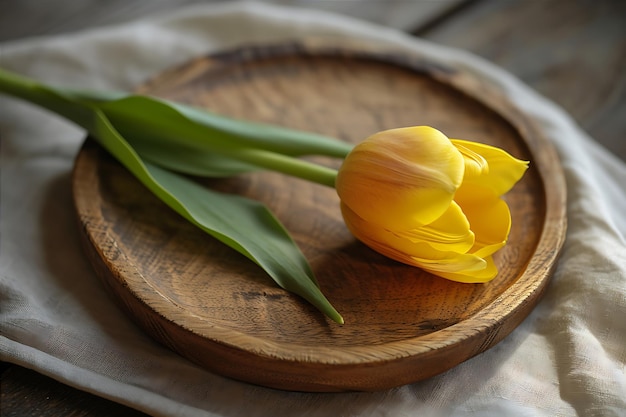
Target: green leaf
<point>238,221</point>
<point>243,224</point>
<point>195,131</point>
<point>189,161</point>
<point>158,127</point>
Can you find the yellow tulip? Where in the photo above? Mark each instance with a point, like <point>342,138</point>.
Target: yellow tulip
<point>425,200</point>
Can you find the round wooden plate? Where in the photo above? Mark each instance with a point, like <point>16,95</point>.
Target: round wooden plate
<point>220,310</point>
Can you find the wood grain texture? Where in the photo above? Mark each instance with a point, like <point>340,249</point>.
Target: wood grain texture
<point>215,307</point>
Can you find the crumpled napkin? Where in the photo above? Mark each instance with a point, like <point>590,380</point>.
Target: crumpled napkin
<point>568,357</point>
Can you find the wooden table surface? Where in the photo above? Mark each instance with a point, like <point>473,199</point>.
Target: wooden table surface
<point>571,51</point>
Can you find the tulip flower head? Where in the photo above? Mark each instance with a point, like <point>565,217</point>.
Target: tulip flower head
<point>420,198</point>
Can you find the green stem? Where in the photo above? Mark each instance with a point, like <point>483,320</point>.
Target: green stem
<point>22,87</point>
<point>32,91</point>
<point>285,164</point>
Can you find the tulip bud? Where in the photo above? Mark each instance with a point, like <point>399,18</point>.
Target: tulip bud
<point>420,198</point>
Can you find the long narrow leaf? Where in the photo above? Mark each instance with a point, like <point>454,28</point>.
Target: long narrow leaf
<point>204,129</point>
<point>183,159</point>
<point>243,224</point>
<point>155,127</point>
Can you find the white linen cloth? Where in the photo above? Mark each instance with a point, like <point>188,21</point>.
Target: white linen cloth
<point>567,358</point>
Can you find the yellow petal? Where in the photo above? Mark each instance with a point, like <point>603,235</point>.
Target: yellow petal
<point>472,276</point>
<point>401,178</point>
<point>475,164</point>
<point>412,252</point>
<point>489,217</point>
<point>485,251</point>
<point>502,171</point>
<point>450,232</point>
<point>440,262</point>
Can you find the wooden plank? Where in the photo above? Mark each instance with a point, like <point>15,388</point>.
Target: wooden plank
<point>573,52</point>
<point>27,393</point>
